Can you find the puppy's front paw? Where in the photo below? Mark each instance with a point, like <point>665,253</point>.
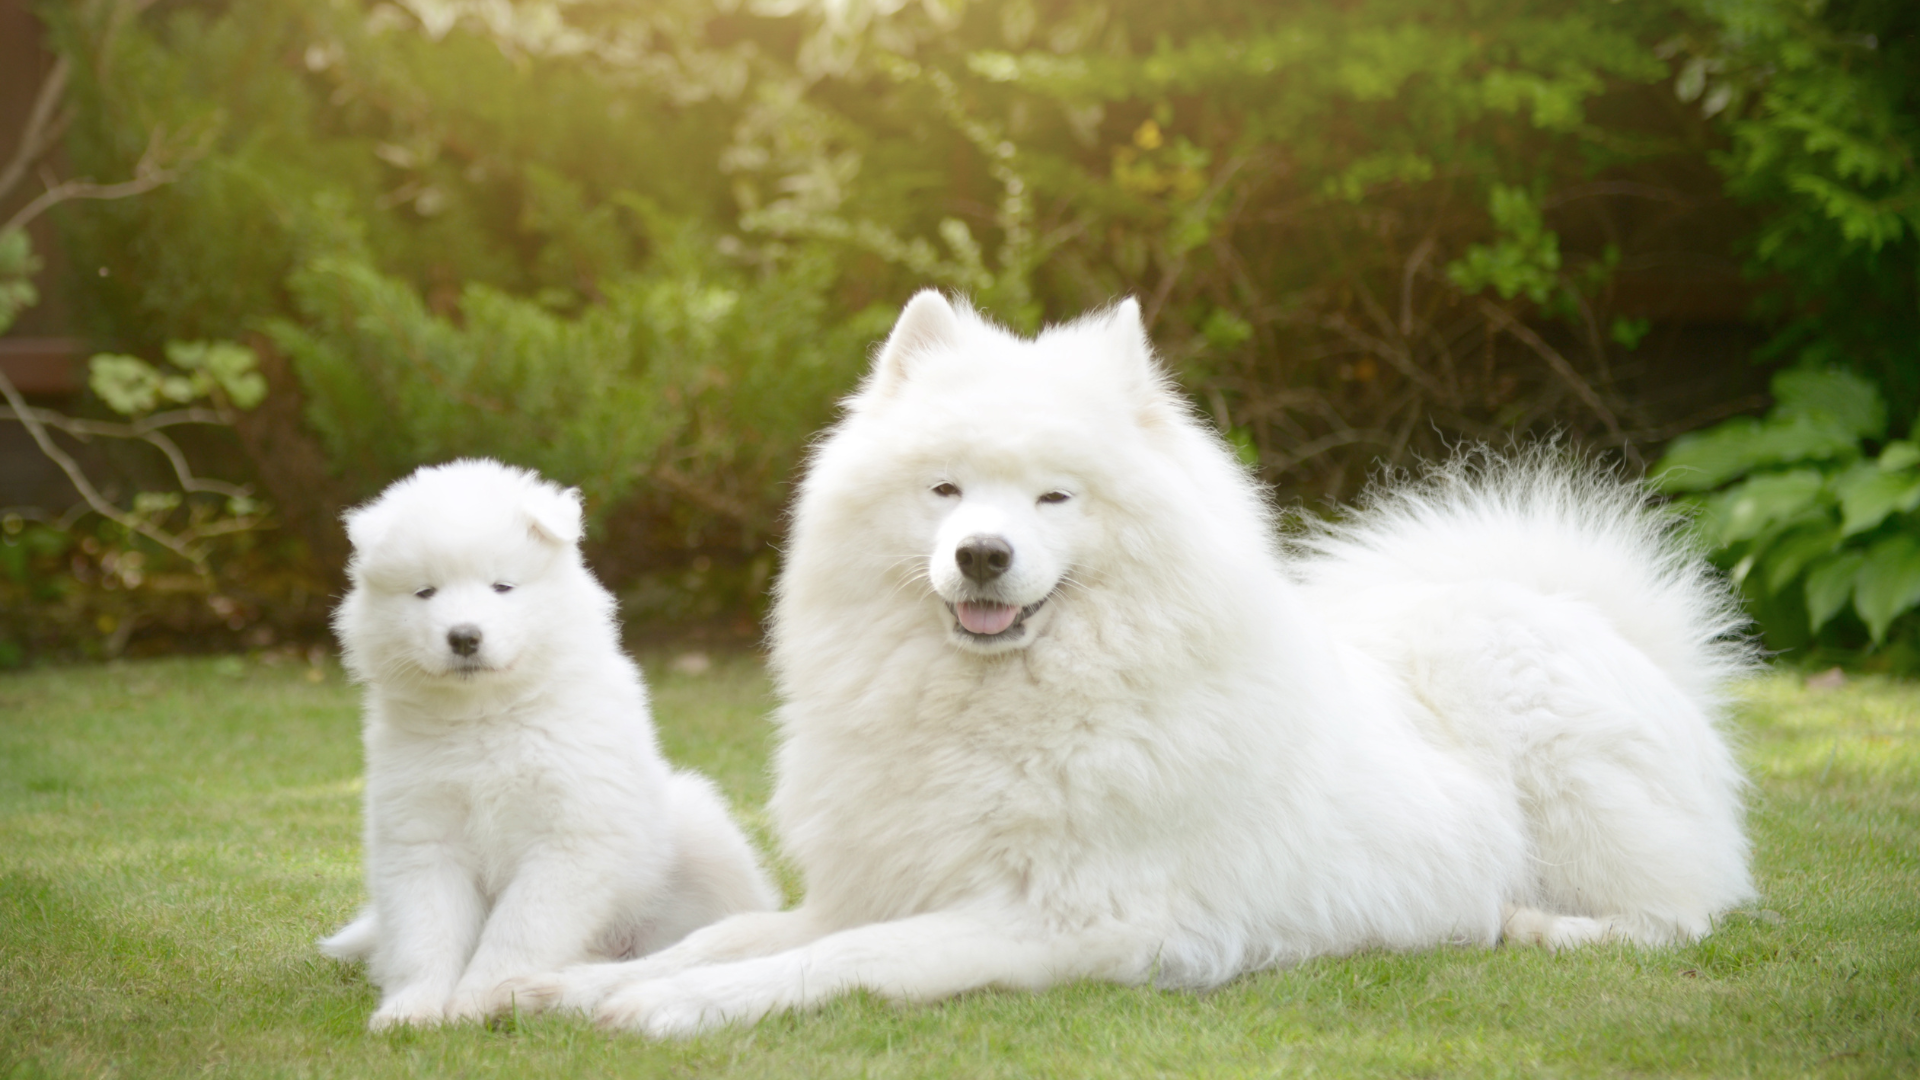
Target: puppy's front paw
<point>467,1005</point>
<point>408,1010</point>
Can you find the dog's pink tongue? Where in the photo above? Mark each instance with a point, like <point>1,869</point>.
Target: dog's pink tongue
<point>985,618</point>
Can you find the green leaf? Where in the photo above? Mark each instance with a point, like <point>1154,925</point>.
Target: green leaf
<point>1786,557</point>
<point>1749,508</point>
<point>181,389</point>
<point>1525,256</point>
<point>1225,330</point>
<point>17,267</point>
<point>1243,447</point>
<point>129,385</point>
<point>1868,496</point>
<point>1832,398</point>
<point>1899,455</point>
<point>232,367</point>
<point>1706,459</point>
<point>1627,333</point>
<point>1830,586</point>
<point>1888,583</point>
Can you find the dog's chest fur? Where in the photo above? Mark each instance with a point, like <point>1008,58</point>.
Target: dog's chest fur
<point>987,779</point>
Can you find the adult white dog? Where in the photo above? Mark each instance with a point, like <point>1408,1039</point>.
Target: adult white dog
<point>518,814</point>
<point>1058,706</point>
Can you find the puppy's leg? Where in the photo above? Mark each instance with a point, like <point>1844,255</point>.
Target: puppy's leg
<point>583,986</point>
<point>921,958</point>
<point>429,915</point>
<point>715,872</point>
<point>546,917</point>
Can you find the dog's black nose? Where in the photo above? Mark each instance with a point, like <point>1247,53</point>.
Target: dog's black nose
<point>464,639</point>
<point>984,558</point>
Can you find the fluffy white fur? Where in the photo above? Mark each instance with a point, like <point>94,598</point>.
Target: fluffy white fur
<point>519,816</point>
<point>1151,745</point>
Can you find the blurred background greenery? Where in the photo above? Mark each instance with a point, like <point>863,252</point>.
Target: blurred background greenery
<point>643,246</point>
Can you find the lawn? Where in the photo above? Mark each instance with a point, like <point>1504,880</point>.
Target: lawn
<point>174,835</point>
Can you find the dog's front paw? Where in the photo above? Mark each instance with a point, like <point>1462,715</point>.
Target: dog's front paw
<point>525,995</point>
<point>469,1005</point>
<point>658,1009</point>
<point>579,988</point>
<point>679,1007</point>
<point>408,1010</point>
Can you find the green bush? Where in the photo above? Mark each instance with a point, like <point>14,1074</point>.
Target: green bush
<point>1346,223</point>
<point>645,249</point>
<point>1815,513</point>
<point>1820,104</point>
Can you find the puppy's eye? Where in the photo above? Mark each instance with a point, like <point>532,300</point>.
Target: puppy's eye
<point>502,587</point>
<point>426,593</point>
<point>1055,497</point>
<point>946,491</point>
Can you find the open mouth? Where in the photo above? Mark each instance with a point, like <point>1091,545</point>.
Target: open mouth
<point>988,620</point>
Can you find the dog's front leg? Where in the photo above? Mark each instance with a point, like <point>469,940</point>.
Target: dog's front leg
<point>582,987</point>
<point>429,912</point>
<point>921,958</point>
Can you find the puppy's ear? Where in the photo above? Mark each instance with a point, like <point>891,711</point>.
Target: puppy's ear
<point>928,323</point>
<point>367,524</point>
<point>554,513</point>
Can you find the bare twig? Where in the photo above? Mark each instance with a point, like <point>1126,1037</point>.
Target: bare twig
<point>159,164</point>
<point>152,170</point>
<point>49,118</point>
<point>1698,420</point>
<point>1328,442</point>
<point>1415,263</point>
<point>1172,269</point>
<point>1395,355</point>
<point>149,430</point>
<point>1503,319</point>
<point>44,126</point>
<point>29,418</point>
<point>1627,188</point>
<point>703,496</point>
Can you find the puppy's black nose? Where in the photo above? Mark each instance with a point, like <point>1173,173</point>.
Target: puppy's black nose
<point>464,639</point>
<point>984,558</point>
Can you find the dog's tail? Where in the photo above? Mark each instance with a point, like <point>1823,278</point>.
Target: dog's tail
<point>354,941</point>
<point>1552,521</point>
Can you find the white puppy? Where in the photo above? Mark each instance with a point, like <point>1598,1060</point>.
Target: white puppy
<point>518,813</point>
<point>1057,705</point>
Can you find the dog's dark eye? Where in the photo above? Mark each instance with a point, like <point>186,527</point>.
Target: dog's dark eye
<point>426,593</point>
<point>1055,497</point>
<point>946,491</point>
<point>502,587</point>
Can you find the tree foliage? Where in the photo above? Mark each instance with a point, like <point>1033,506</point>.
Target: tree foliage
<point>644,246</point>
<point>1821,104</point>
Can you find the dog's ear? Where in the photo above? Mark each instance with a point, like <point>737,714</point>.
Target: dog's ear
<point>554,513</point>
<point>928,323</point>
<point>1139,370</point>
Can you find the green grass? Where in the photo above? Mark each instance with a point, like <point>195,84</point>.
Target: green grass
<point>174,836</point>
